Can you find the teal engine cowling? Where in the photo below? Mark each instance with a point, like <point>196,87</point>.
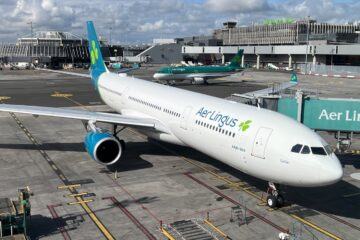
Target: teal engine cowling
<point>103,147</point>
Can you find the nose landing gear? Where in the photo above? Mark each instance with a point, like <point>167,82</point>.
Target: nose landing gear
<point>274,198</point>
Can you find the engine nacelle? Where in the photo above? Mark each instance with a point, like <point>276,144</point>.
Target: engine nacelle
<point>198,80</point>
<point>104,148</point>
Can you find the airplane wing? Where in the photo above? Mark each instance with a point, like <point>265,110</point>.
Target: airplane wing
<point>274,89</point>
<point>125,70</point>
<point>68,73</point>
<point>85,115</point>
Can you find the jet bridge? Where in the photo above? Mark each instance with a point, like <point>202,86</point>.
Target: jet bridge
<point>338,115</point>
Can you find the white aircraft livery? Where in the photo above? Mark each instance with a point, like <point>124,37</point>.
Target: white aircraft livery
<point>259,142</point>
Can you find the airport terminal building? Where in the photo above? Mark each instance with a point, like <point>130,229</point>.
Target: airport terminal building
<point>52,48</point>
<point>284,44</point>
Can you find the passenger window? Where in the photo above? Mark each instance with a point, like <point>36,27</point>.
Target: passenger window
<point>305,150</point>
<point>296,148</point>
<point>318,150</point>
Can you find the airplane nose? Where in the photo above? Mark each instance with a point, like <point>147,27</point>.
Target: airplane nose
<point>332,172</point>
<point>156,76</point>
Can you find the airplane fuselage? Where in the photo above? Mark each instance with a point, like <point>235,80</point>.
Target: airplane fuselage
<point>191,72</point>
<point>253,140</point>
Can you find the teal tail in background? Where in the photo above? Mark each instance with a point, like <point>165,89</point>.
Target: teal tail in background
<point>97,62</point>
<point>236,61</point>
<point>293,78</point>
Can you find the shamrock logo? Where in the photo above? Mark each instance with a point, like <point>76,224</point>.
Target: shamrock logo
<point>244,125</point>
<point>94,55</point>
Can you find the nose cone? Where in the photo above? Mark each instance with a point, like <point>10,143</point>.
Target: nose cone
<point>331,171</point>
<point>158,76</point>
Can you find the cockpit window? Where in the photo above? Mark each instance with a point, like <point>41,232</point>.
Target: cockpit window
<point>328,149</point>
<point>296,148</point>
<point>318,150</point>
<point>305,150</point>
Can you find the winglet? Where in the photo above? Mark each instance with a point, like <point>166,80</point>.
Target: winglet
<point>97,62</point>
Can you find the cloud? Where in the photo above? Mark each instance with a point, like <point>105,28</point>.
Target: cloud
<point>139,21</point>
<point>236,5</point>
<point>147,27</point>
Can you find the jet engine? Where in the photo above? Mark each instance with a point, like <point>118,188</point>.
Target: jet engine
<point>198,80</point>
<point>103,147</point>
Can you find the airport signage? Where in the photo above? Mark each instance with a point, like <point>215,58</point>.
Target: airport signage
<point>279,21</point>
<point>218,117</point>
<point>325,114</point>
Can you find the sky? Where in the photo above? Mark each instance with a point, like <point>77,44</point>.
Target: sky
<point>140,21</point>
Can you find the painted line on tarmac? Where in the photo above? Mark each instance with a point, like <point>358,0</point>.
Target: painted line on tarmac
<point>60,174</point>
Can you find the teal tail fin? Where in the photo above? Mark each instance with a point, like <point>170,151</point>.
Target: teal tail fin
<point>293,78</point>
<point>236,61</point>
<point>97,62</point>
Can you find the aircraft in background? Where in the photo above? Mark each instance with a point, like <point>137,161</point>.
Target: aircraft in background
<point>19,66</point>
<point>259,142</point>
<point>199,74</point>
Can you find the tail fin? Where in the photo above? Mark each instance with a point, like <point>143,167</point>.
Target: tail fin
<point>293,78</point>
<point>97,62</point>
<point>235,61</point>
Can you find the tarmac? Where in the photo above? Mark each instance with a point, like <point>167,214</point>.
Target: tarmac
<point>156,184</point>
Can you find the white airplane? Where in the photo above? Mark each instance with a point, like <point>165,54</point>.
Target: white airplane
<point>259,142</point>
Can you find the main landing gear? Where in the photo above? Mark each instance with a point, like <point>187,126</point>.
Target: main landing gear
<point>115,132</point>
<point>274,198</point>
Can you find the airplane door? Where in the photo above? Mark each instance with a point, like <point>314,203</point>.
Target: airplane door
<point>260,142</point>
<point>185,118</point>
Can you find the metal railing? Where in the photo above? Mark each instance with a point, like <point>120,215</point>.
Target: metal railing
<point>330,70</point>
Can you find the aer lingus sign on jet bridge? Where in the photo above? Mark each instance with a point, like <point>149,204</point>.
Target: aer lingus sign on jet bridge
<point>325,113</point>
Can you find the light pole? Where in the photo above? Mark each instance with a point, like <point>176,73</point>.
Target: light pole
<point>31,28</point>
<point>307,42</point>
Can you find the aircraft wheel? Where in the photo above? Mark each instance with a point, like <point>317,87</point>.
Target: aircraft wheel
<point>193,82</point>
<point>271,201</point>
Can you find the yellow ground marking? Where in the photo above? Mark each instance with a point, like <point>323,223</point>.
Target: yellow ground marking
<point>215,228</point>
<point>67,96</point>
<point>76,102</point>
<point>57,94</point>
<point>352,194</point>
<point>77,194</point>
<point>167,234</point>
<point>68,186</point>
<point>223,178</point>
<point>315,227</point>
<point>262,204</point>
<point>271,209</point>
<point>81,202</point>
<point>94,218</point>
<point>2,98</point>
